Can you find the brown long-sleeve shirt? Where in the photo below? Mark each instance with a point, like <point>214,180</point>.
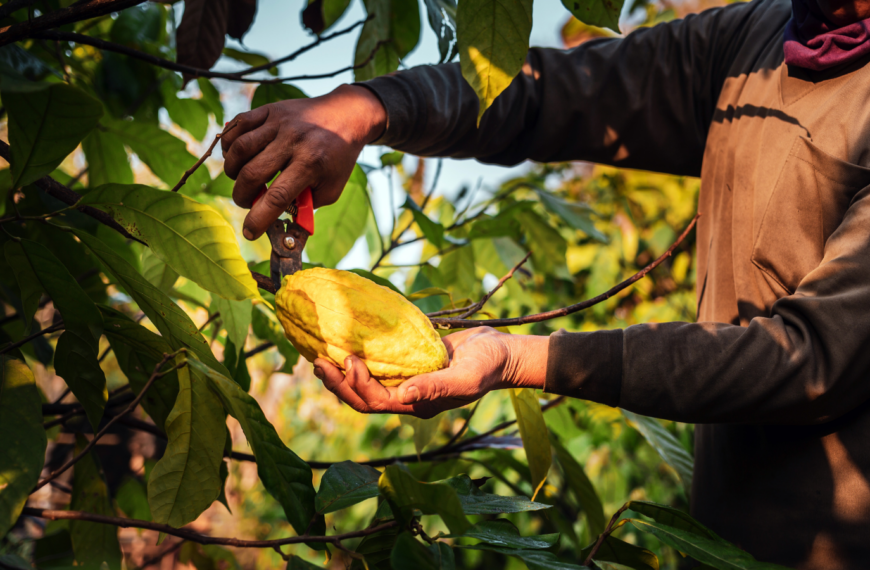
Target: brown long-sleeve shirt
<point>776,371</point>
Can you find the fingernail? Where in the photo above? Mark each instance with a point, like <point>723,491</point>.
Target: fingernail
<point>249,235</point>
<point>348,364</point>
<point>412,395</point>
<point>318,372</point>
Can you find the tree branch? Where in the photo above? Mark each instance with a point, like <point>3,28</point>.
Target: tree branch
<point>75,13</point>
<point>605,534</point>
<point>69,197</point>
<point>27,339</point>
<point>196,537</point>
<point>72,461</point>
<point>104,45</point>
<point>192,169</point>
<point>449,323</point>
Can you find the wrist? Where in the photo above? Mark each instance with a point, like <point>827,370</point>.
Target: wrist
<point>526,361</point>
<point>366,111</point>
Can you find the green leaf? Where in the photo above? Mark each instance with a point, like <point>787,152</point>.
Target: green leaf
<point>189,114</point>
<point>547,245</point>
<point>296,563</point>
<point>132,499</point>
<point>236,317</point>
<point>392,158</point>
<point>339,226</point>
<point>534,559</point>
<point>670,449</point>
<point>237,364</point>
<point>404,493</point>
<point>492,40</point>
<point>186,480</point>
<point>267,327</point>
<point>376,278</point>
<point>712,552</point>
<point>192,238</point>
<point>502,532</point>
<point>424,430</point>
<point>107,159</point>
<point>157,272</point>
<point>577,481</point>
<point>442,20</point>
<point>93,543</point>
<point>172,322</point>
<point>601,13</point>
<point>77,349</point>
<point>211,99</point>
<point>45,126</point>
<point>376,548</point>
<point>220,186</point>
<point>29,285</point>
<point>165,154</point>
<point>457,269</point>
<point>575,214</point>
<point>672,517</point>
<point>138,351</point>
<point>287,477</point>
<point>433,231</point>
<point>274,92</point>
<point>533,430</point>
<point>23,451</point>
<point>345,484</point>
<point>396,25</point>
<point>477,502</point>
<point>251,58</point>
<point>320,15</point>
<point>621,552</point>
<point>412,554</point>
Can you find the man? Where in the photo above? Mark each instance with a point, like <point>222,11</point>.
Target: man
<point>770,110</point>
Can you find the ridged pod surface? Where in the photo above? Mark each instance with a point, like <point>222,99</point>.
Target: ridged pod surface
<point>329,313</point>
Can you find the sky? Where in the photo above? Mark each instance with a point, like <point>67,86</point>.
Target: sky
<point>277,31</point>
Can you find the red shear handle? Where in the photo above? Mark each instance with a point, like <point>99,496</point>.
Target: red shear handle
<point>304,209</point>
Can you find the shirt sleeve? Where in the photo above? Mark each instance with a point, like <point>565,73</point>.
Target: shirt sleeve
<point>644,101</point>
<point>805,363</point>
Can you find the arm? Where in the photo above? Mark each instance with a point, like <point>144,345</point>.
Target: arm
<point>643,101</point>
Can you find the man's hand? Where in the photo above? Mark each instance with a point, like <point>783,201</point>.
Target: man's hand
<point>481,360</point>
<point>312,142</point>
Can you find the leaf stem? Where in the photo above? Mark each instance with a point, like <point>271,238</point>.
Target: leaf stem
<point>607,531</point>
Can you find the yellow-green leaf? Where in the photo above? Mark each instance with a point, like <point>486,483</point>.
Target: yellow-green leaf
<point>187,478</point>
<point>493,40</point>
<point>192,238</point>
<point>404,493</point>
<point>23,451</point>
<point>533,431</point>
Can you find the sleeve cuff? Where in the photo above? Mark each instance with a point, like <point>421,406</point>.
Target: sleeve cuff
<point>399,98</point>
<point>586,365</point>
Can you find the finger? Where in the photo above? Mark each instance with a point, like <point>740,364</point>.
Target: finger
<point>278,198</point>
<point>372,392</point>
<point>246,147</point>
<point>241,124</point>
<point>334,381</point>
<point>259,170</point>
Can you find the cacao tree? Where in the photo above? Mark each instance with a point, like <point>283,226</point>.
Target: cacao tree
<point>124,283</point>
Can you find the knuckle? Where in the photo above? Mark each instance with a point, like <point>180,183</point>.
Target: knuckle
<point>438,389</point>
<point>277,197</point>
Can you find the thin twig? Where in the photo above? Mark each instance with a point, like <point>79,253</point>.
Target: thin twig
<point>154,376</point>
<point>192,169</point>
<point>258,349</point>
<point>161,555</point>
<point>449,311</point>
<point>27,339</point>
<point>449,323</point>
<point>77,12</point>
<point>63,395</point>
<point>479,305</point>
<point>210,318</point>
<point>605,534</point>
<point>196,537</point>
<point>464,427</point>
<point>104,45</point>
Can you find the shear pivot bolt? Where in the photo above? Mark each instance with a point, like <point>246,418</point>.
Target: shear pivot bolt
<point>289,242</point>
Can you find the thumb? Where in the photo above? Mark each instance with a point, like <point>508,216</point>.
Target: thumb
<point>428,387</point>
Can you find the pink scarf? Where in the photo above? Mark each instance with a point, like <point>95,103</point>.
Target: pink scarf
<point>812,42</point>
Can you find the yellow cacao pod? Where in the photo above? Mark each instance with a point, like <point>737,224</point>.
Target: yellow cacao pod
<point>329,313</point>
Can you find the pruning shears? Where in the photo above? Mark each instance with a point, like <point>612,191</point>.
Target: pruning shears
<point>288,236</point>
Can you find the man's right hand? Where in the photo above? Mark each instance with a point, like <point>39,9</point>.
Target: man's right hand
<point>312,142</point>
